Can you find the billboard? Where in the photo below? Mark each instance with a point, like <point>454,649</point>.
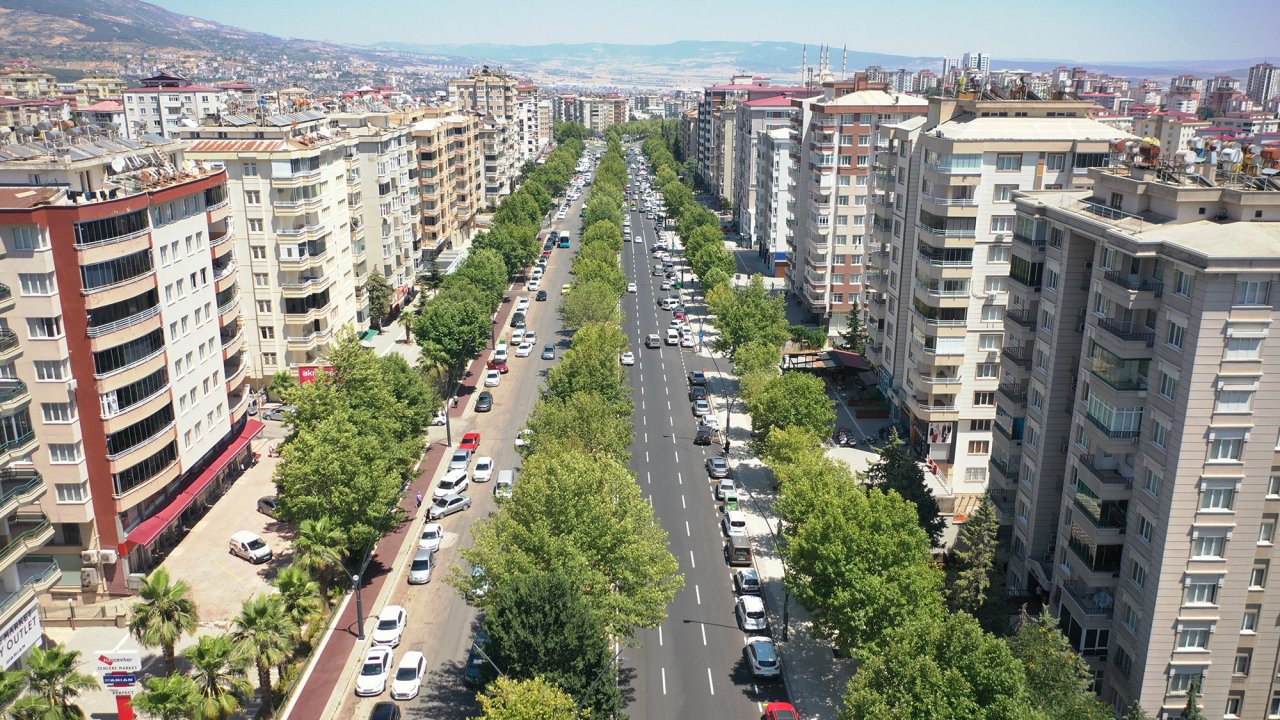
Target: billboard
<point>20,635</point>
<point>309,373</point>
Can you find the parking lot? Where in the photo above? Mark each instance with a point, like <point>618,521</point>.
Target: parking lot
<point>221,582</point>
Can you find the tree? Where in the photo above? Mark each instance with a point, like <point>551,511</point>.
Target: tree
<point>1191,711</point>
<point>715,277</point>
<point>585,516</point>
<point>406,322</point>
<point>898,471</point>
<point>854,336</point>
<point>379,291</point>
<point>582,421</point>
<point>757,356</point>
<point>1135,712</point>
<point>591,366</point>
<point>53,683</point>
<point>165,614</point>
<point>590,302</point>
<point>320,549</point>
<point>486,268</point>
<point>1060,679</point>
<point>282,383</point>
<point>790,446</point>
<point>171,697</point>
<point>267,634</point>
<point>218,667</point>
<point>433,277</point>
<point>973,560</point>
<point>792,400</point>
<point>12,683</point>
<point>747,313</point>
<point>938,668</point>
<point>452,332</point>
<point>857,560</point>
<point>563,642</point>
<point>536,699</point>
<point>808,337</point>
<point>299,594</point>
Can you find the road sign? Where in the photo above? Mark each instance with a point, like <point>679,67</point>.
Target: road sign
<point>117,679</point>
<point>119,661</point>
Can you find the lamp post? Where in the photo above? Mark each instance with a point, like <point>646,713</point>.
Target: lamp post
<point>355,582</point>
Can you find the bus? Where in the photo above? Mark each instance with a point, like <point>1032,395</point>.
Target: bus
<point>564,240</point>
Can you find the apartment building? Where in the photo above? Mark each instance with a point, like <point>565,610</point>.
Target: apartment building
<point>597,113</point>
<point>1261,84</point>
<point>487,91</point>
<point>714,98</point>
<point>774,167</point>
<point>501,157</point>
<point>130,348</point>
<point>92,89</point>
<point>166,104</point>
<point>752,120</point>
<point>1173,129</point>
<point>943,259</point>
<point>533,121</point>
<point>385,231</point>
<point>1143,480</point>
<point>289,180</point>
<point>27,83</point>
<point>835,137</point>
<point>451,179</point>
<point>31,116</point>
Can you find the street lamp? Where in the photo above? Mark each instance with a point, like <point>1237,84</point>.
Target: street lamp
<point>355,582</point>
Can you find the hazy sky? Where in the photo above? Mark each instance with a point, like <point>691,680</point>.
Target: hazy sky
<point>1094,30</point>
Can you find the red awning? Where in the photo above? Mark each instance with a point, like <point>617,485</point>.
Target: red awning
<point>150,529</point>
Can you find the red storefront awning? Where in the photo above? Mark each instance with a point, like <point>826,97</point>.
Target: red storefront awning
<point>151,528</point>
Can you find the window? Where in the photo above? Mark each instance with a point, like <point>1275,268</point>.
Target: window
<point>1182,283</point>
<point>1267,532</point>
<point>252,197</point>
<point>992,313</point>
<point>1180,681</point>
<point>1249,622</point>
<point>1046,320</point>
<point>1032,437</point>
<point>987,370</point>
<point>250,169</point>
<point>261,280</point>
<point>1055,162</point>
<point>1196,638</point>
<point>1209,546</point>
<point>1051,280</point>
<point>1217,499</point>
<point>1234,703</point>
<point>997,284</point>
<point>71,492</point>
<point>264,306</point>
<point>1168,385</point>
<point>1258,577</point>
<point>1004,193</point>
<point>1037,399</point>
<point>50,327</point>
<point>255,225</point>
<point>1252,292</point>
<point>36,283</point>
<point>50,370</point>
<point>1002,224</point>
<point>1176,336</point>
<point>998,253</point>
<point>29,238</point>
<point>1130,618</point>
<point>979,447</point>
<point>1008,162</point>
<point>1234,401</point>
<point>1201,592</point>
<point>984,399</point>
<point>58,412</point>
<point>1273,486</point>
<point>990,341</point>
<point>1243,348</point>
<point>269,358</point>
<point>1138,574</point>
<point>980,425</point>
<point>1152,482</point>
<point>1159,434</point>
<point>1146,528</point>
<point>64,453</point>
<point>1226,449</point>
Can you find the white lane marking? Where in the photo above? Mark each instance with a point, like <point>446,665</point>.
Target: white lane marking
<point>677,454</point>
<point>694,564</point>
<point>679,475</point>
<point>659,634</point>
<point>642,405</point>
<point>644,420</point>
<point>648,477</point>
<point>710,684</point>
<point>672,419</point>
<point>668,405</point>
<point>664,379</point>
<point>704,633</point>
<point>686,529</point>
<point>682,505</point>
<point>664,682</point>
<point>646,456</point>
<point>646,437</point>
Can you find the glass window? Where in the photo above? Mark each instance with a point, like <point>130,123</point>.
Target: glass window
<point>1008,162</point>
<point>1217,499</point>
<point>1004,193</point>
<point>1226,449</point>
<point>1201,593</point>
<point>1234,401</point>
<point>1193,639</point>
<point>1243,348</point>
<point>1258,577</point>
<point>1252,292</point>
<point>1176,336</point>
<point>1209,547</point>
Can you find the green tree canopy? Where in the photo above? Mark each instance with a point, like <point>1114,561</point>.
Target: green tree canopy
<point>535,699</point>
<point>53,684</point>
<point>582,421</point>
<point>591,366</point>
<point>792,400</point>
<point>379,291</point>
<point>170,697</point>
<point>745,314</point>
<point>267,634</point>
<point>757,355</point>
<point>898,471</point>
<point>218,667</point>
<point>1060,680</point>
<point>973,560</point>
<point>165,614</point>
<point>452,332</point>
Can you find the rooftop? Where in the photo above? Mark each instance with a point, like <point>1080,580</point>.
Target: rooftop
<point>104,106</point>
<point>775,101</point>
<point>969,127</point>
<point>23,198</point>
<point>872,98</point>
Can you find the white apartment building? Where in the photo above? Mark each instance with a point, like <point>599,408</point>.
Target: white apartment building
<point>1141,486</point>
<point>775,167</point>
<point>166,104</point>
<point>752,120</point>
<point>289,178</point>
<point>835,138</point>
<point>501,156</point>
<point>943,261</point>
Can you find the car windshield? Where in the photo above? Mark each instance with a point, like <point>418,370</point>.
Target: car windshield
<point>755,614</point>
<point>431,534</point>
<point>447,484</point>
<point>442,502</point>
<point>387,624</point>
<point>765,655</point>
<point>371,668</point>
<point>420,565</point>
<point>407,673</point>
<point>256,544</point>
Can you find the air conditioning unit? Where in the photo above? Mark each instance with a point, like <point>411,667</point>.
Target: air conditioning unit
<point>88,557</point>
<point>108,557</point>
<point>88,577</point>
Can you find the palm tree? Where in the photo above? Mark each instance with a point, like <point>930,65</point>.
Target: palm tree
<point>406,319</point>
<point>53,682</point>
<point>218,667</point>
<point>299,594</point>
<point>265,631</point>
<point>321,549</point>
<point>165,615</point>
<point>12,683</point>
<point>172,697</point>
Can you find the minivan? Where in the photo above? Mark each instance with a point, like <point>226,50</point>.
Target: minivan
<point>673,337</point>
<point>420,569</point>
<point>505,485</point>
<point>652,341</point>
<point>249,546</point>
<point>737,550</point>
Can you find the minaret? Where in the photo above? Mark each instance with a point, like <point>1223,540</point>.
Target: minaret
<point>844,62</point>
<point>804,65</point>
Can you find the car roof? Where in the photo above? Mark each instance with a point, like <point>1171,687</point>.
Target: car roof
<point>749,572</point>
<point>764,648</point>
<point>433,526</point>
<point>377,652</point>
<point>450,497</point>
<point>391,611</point>
<point>422,555</point>
<point>410,658</point>
<point>751,602</point>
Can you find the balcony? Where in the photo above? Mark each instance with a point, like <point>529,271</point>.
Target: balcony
<point>1003,500</point>
<point>949,201</point>
<point>310,340</point>
<point>306,285</point>
<point>1024,317</point>
<point>36,574</point>
<point>301,232</point>
<point>1135,284</point>
<point>1006,470</point>
<point>1015,391</point>
<point>945,232</point>
<point>232,342</point>
<point>934,317</point>
<point>9,346</point>
<point>26,534</point>
<point>234,370</point>
<point>1019,356</point>
<point>1092,601</point>
<point>933,411</point>
<point>19,487</point>
<point>1120,377</point>
<point>13,394</point>
<point>232,305</point>
<point>1114,433</point>
<point>18,446</point>
<point>1103,469</point>
<point>224,276</point>
<point>946,168</point>
<point>1013,436</point>
<point>296,179</point>
<point>1096,558</point>
<point>1126,332</point>
<point>1029,240</point>
<point>296,207</point>
<point>945,383</point>
<point>6,298</point>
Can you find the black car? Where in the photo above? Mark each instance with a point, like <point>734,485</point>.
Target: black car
<point>541,296</point>
<point>385,711</point>
<point>517,319</point>
<point>697,377</point>
<point>698,392</point>
<point>476,672</point>
<point>703,436</point>
<point>484,403</point>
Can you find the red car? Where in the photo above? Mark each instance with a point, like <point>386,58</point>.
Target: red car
<point>681,316</point>
<point>546,253</point>
<point>497,365</point>
<point>780,711</point>
<point>470,441</point>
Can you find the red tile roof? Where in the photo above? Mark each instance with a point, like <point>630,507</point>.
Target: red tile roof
<point>104,106</point>
<point>775,101</point>
<point>26,197</point>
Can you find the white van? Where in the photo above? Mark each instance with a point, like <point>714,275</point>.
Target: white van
<point>505,485</point>
<point>249,546</point>
<point>673,336</point>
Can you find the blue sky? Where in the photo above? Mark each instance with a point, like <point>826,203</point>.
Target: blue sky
<point>1094,30</point>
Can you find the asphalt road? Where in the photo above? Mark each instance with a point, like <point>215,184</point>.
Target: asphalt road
<point>692,666</point>
<point>441,623</point>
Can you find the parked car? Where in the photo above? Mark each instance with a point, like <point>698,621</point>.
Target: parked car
<point>432,536</point>
<point>408,680</point>
<point>541,296</point>
<point>390,627</point>
<point>548,352</point>
<point>372,679</point>
<point>483,469</point>
<point>687,341</point>
<point>421,566</point>
<point>701,407</point>
<point>470,441</point>
<point>698,392</point>
<point>698,377</point>
<point>717,467</point>
<point>704,436</point>
<point>746,582</point>
<point>628,358</point>
<point>385,710</point>
<point>725,486</point>
<point>269,505</point>
<point>460,460</point>
<point>497,366</point>
<point>525,349</point>
<point>279,413</point>
<point>493,378</point>
<point>780,711</point>
<point>249,546</point>
<point>454,482</point>
<point>505,486</point>
<point>734,523</point>
<point>448,505</point>
<point>481,587</point>
<point>477,669</point>
<point>762,657</point>
<point>484,402</point>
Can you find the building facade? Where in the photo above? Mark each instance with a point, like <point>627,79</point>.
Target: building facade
<point>166,104</point>
<point>451,179</point>
<point>1147,519</point>
<point>752,120</point>
<point>772,204</point>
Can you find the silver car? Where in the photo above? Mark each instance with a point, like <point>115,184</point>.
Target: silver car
<point>448,505</point>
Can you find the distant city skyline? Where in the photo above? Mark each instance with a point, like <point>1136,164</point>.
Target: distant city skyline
<point>1083,30</point>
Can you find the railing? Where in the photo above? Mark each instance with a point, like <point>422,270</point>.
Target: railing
<point>1016,392</point>
<point>310,337</point>
<point>5,293</point>
<point>939,322</point>
<point>95,331</point>
<point>143,443</point>
<point>1007,434</point>
<point>1003,500</point>
<point>225,270</point>
<point>1027,240</point>
<point>112,240</point>
<point>949,232</point>
<point>308,282</point>
<point>230,305</point>
<point>1020,356</point>
<point>20,542</point>
<point>10,389</point>
<point>952,170</point>
<point>233,339</point>
<point>937,261</point>
<point>291,204</point>
<point>1113,434</point>
<point>8,340</point>
<point>17,483</point>
<point>956,202</point>
<point>1125,332</point>
<point>925,406</point>
<point>937,291</point>
<point>162,389</point>
<point>1093,601</point>
<point>46,570</point>
<point>1002,467</point>
<point>1106,476</point>
<point>1131,282</point>
<point>129,366</point>
<point>7,446</point>
<point>1021,316</point>
<point>1119,380</point>
<point>298,232</point>
<point>940,379</point>
<point>220,239</point>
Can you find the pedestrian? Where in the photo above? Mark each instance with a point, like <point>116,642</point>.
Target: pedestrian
<point>726,447</point>
<point>419,498</point>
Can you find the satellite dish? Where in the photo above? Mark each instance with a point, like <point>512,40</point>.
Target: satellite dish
<point>45,125</point>
<point>117,164</point>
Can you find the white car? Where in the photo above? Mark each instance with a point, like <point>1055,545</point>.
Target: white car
<point>408,680</point>
<point>455,481</point>
<point>631,287</point>
<point>432,536</point>
<point>734,524</point>
<point>686,340</point>
<point>531,336</point>
<point>500,355</point>
<point>372,679</point>
<point>523,304</point>
<point>483,470</point>
<point>517,335</point>
<point>524,349</point>
<point>628,358</point>
<point>522,437</point>
<point>637,239</point>
<point>439,419</point>
<point>666,285</point>
<point>493,378</point>
<point>390,628</point>
<point>750,612</point>
<point>762,657</point>
<point>534,285</point>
